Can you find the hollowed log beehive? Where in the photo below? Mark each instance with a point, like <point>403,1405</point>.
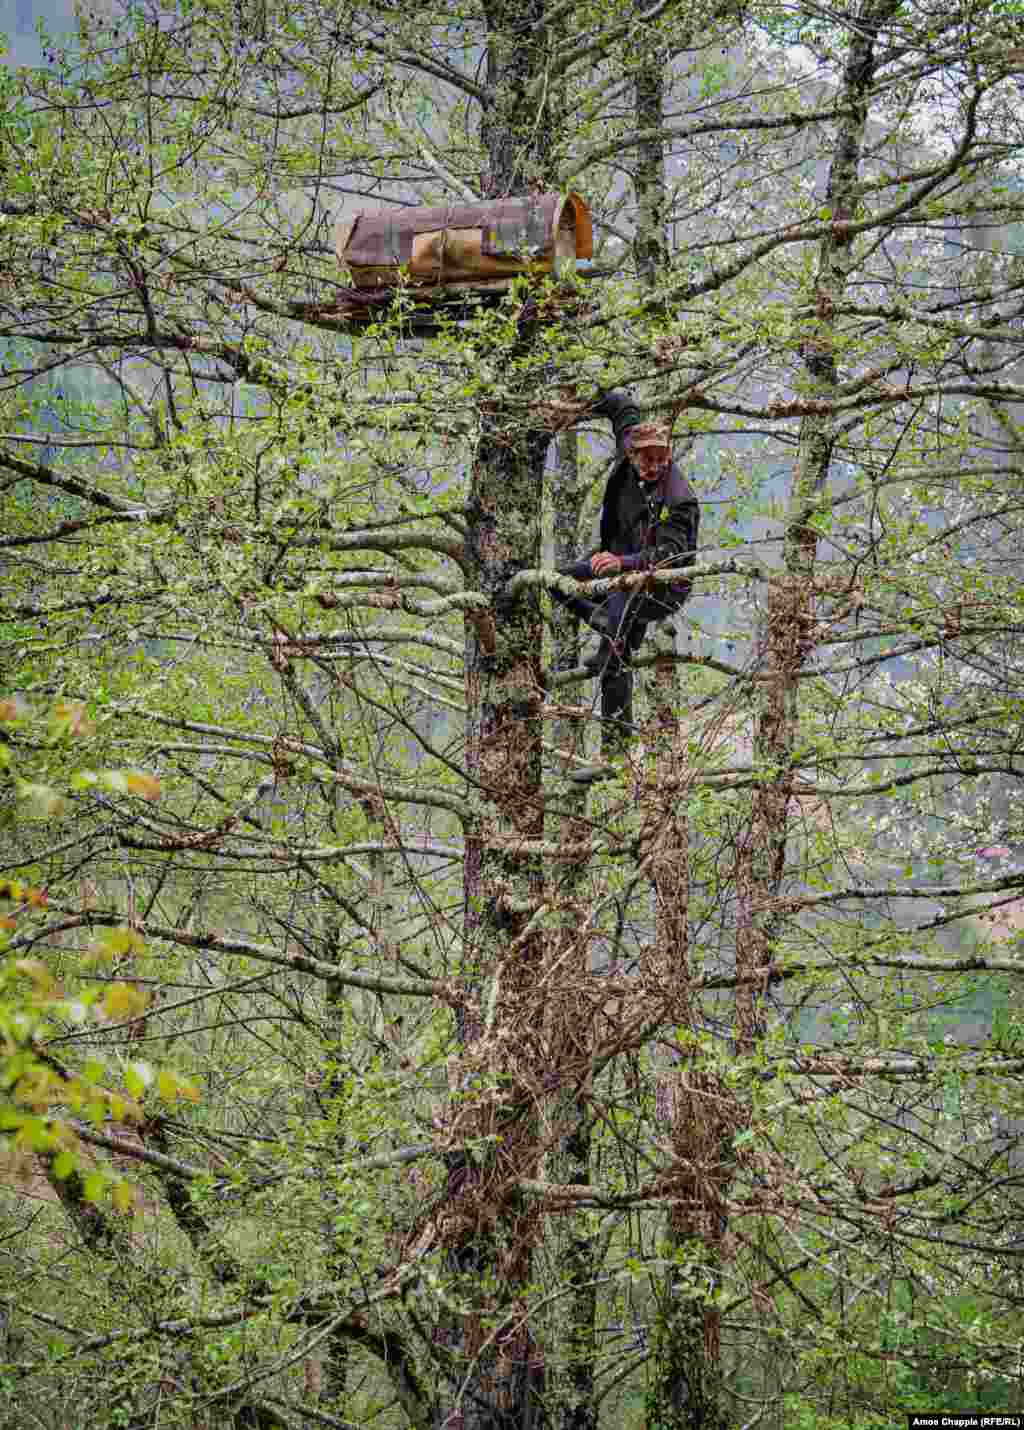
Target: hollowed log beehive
<point>481,245</point>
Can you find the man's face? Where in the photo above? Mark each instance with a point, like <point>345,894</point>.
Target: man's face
<point>650,462</point>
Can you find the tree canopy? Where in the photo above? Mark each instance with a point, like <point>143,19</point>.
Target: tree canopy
<point>361,1068</point>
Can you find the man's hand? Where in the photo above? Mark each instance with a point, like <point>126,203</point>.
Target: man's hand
<point>605,564</point>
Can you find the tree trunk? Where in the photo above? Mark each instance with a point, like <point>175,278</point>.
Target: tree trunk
<point>684,1384</point>
<point>684,1372</point>
<point>787,637</point>
<point>489,1231</point>
<point>331,1097</point>
<point>570,1385</point>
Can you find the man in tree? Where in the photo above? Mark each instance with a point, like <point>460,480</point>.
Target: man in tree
<point>649,518</point>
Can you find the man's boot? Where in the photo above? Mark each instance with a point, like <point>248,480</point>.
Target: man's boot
<point>611,665</point>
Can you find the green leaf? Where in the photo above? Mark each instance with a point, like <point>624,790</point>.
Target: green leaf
<point>137,1077</point>
<point>63,1165</point>
<point>94,1186</point>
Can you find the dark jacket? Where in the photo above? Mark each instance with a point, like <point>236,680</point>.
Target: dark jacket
<point>647,524</point>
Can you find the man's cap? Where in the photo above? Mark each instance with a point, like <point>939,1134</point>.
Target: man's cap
<point>648,434</point>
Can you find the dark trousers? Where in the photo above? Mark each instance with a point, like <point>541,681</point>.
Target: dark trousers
<point>628,614</point>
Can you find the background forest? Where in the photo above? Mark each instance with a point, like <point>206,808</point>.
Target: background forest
<point>359,1068</point>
